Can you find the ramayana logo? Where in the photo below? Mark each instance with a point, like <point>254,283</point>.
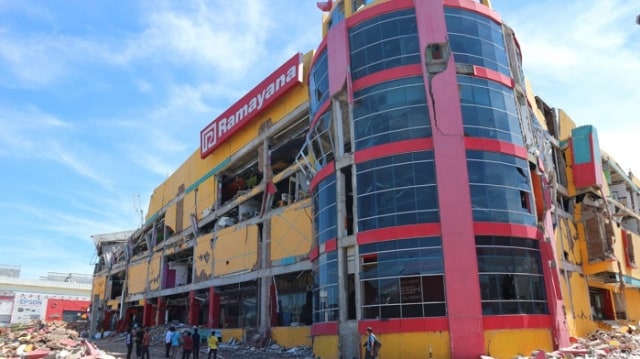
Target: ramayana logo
<point>249,106</point>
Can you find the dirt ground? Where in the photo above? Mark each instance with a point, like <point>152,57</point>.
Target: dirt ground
<point>115,346</point>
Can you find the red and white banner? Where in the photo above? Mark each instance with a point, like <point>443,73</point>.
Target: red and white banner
<point>250,105</point>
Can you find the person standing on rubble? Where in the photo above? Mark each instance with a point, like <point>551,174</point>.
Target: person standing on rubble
<point>146,340</point>
<point>129,342</point>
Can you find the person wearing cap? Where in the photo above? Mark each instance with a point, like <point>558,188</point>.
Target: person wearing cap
<point>370,352</point>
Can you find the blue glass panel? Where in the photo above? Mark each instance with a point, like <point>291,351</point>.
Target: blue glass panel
<point>384,42</point>
<point>391,111</point>
<point>476,40</point>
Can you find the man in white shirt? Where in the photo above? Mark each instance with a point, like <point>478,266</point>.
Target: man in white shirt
<point>167,340</point>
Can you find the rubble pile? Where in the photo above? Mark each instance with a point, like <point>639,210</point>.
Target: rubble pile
<point>272,350</point>
<point>38,340</point>
<point>623,342</point>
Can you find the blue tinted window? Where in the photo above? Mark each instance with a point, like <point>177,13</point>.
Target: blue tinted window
<point>489,110</point>
<point>384,42</point>
<point>402,279</point>
<point>500,188</point>
<point>511,277</point>
<point>319,82</point>
<point>337,14</point>
<point>476,40</point>
<point>325,210</point>
<point>391,111</point>
<point>325,288</point>
<point>397,190</point>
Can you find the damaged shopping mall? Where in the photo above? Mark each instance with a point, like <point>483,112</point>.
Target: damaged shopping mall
<point>404,176</point>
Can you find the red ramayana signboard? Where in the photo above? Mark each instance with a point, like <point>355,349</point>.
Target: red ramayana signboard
<point>249,106</point>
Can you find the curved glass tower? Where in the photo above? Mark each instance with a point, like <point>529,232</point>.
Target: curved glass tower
<point>424,220</point>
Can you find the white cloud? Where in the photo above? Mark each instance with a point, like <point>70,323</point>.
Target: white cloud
<point>582,56</point>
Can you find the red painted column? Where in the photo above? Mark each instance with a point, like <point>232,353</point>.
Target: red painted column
<point>194,309</point>
<point>464,311</point>
<point>214,309</point>
<point>548,254</point>
<point>160,312</point>
<point>147,314</point>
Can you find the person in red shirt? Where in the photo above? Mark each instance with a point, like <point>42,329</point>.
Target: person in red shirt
<point>146,340</point>
<point>187,345</point>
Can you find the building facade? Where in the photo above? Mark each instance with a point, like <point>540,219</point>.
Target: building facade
<point>55,297</point>
<point>402,176</point>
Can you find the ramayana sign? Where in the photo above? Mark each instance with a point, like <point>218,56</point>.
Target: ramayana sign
<point>249,106</point>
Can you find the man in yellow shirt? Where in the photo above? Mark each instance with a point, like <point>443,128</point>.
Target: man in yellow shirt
<point>213,346</point>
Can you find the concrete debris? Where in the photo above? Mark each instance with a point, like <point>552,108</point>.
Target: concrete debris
<point>51,340</point>
<point>622,342</point>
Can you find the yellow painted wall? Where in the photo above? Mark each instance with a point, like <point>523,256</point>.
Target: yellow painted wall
<point>413,345</point>
<point>206,195</point>
<point>577,305</point>
<point>503,344</point>
<point>170,217</point>
<point>566,235</point>
<point>566,124</point>
<point>291,231</point>
<point>289,337</point>
<point>237,333</point>
<point>195,168</point>
<point>326,346</point>
<point>235,249</point>
<point>539,116</point>
<point>632,299</point>
<point>113,303</point>
<point>188,208</point>
<point>137,278</point>
<point>155,271</point>
<point>571,187</point>
<point>99,287</point>
<point>203,254</point>
<point>158,199</point>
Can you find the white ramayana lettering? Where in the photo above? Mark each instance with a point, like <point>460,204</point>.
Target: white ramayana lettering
<point>291,74</point>
<point>219,127</point>
<point>225,124</point>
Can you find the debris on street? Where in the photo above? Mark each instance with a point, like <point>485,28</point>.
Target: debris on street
<point>617,342</point>
<point>52,340</point>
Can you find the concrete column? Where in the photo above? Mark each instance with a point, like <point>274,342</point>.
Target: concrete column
<point>194,309</point>
<point>213,320</point>
<point>265,242</point>
<point>147,314</point>
<point>161,311</point>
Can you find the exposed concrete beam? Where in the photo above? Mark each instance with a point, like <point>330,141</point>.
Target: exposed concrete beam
<point>230,279</point>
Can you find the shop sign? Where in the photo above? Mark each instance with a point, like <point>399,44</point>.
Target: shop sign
<point>250,105</point>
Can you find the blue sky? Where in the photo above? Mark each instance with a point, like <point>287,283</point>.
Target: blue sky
<point>100,100</point>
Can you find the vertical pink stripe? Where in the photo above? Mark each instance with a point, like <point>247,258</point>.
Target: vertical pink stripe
<point>338,57</point>
<point>458,243</point>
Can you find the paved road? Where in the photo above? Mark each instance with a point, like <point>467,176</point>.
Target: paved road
<point>115,346</point>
